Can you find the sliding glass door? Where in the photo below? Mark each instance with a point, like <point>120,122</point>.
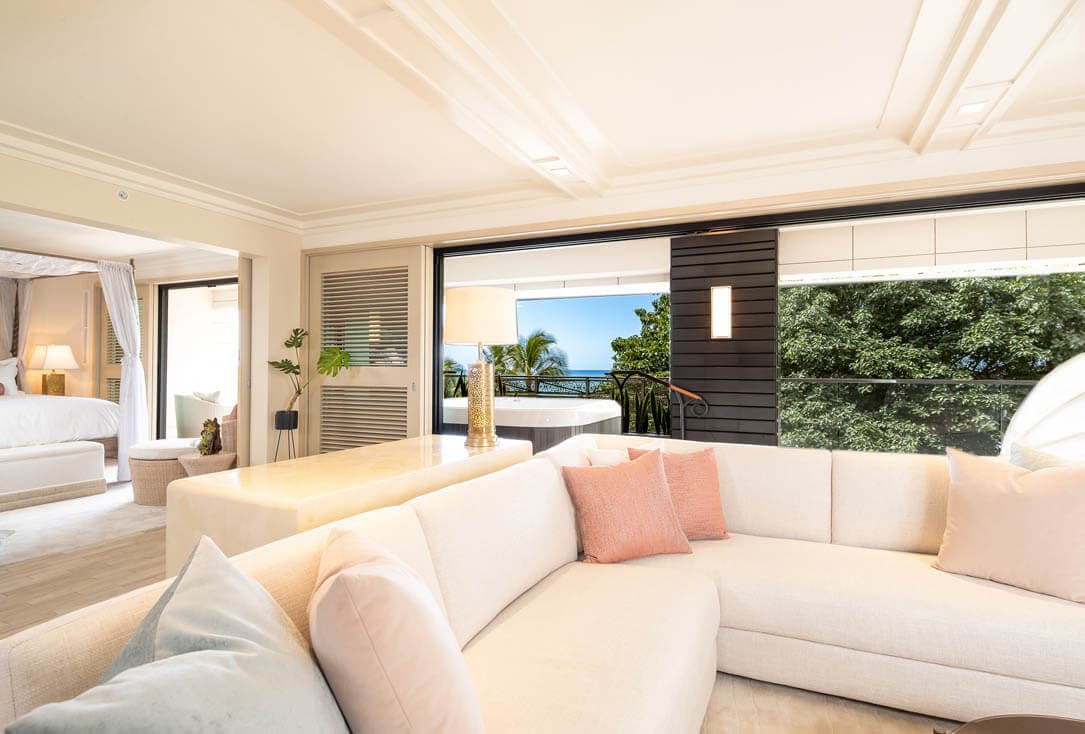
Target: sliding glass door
<point>198,355</point>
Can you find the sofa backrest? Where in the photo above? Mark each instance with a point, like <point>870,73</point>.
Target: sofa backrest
<point>494,537</point>
<point>62,658</point>
<point>781,493</point>
<point>890,501</point>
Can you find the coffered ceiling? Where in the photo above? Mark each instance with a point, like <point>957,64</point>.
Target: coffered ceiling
<point>368,120</point>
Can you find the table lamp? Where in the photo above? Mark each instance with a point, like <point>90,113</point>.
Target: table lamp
<point>53,357</point>
<point>481,316</point>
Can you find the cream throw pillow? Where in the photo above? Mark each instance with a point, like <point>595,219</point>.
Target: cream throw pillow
<point>385,646</point>
<point>1030,458</point>
<point>1021,528</point>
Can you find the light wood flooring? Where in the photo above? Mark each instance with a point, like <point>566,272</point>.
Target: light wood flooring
<point>36,590</point>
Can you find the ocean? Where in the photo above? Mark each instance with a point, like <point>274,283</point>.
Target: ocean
<point>586,373</point>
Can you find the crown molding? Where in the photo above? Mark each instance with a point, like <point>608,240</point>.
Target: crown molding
<point>19,142</point>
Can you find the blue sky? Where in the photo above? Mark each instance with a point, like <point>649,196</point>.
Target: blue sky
<point>584,327</point>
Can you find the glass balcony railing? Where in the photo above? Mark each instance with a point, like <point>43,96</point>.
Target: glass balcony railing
<point>915,416</point>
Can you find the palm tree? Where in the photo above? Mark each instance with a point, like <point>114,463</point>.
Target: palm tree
<point>534,356</point>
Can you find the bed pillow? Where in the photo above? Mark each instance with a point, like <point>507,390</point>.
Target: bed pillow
<point>9,371</point>
<point>1015,526</point>
<point>624,511</point>
<point>385,645</point>
<point>694,482</point>
<point>215,653</point>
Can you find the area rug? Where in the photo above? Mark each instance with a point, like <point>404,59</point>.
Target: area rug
<point>35,531</point>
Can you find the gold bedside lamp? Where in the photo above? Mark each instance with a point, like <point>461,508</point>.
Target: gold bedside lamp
<point>53,357</point>
<point>480,316</point>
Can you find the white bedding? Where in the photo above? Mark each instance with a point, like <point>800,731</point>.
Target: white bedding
<point>30,420</point>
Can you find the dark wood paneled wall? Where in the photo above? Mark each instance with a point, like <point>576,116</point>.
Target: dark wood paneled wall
<point>737,376</point>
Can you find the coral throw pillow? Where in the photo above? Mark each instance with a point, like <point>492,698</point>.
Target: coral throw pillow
<point>694,482</point>
<point>385,646</point>
<point>624,511</point>
<point>1021,528</point>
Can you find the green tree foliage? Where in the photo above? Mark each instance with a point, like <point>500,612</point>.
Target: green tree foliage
<point>535,355</point>
<point>650,350</point>
<point>961,329</point>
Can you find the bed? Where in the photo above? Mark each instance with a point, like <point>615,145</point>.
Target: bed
<point>51,447</point>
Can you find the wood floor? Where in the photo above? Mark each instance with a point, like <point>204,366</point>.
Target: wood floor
<point>38,589</point>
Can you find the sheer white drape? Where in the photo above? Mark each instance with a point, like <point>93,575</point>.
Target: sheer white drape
<point>7,316</point>
<point>26,292</point>
<point>119,290</point>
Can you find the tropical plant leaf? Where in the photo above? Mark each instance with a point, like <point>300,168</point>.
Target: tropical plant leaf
<point>286,366</point>
<point>296,338</point>
<point>332,361</point>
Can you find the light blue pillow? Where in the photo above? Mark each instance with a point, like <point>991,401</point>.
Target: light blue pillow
<point>215,654</point>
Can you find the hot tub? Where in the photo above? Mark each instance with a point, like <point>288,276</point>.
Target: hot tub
<point>543,421</point>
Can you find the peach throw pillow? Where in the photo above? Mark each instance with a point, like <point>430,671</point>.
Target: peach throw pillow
<point>385,646</point>
<point>1021,528</point>
<point>694,482</point>
<point>624,511</point>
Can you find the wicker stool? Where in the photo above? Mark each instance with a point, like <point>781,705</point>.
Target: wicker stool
<point>154,465</point>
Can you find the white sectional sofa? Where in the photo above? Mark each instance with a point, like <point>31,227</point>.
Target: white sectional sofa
<point>825,584</point>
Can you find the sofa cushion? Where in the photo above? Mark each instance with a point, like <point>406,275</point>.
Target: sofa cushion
<point>588,650</point>
<point>890,603</point>
<point>766,490</point>
<point>624,510</point>
<point>493,538</point>
<point>204,659</point>
<point>384,644</point>
<point>1020,527</point>
<point>890,501</point>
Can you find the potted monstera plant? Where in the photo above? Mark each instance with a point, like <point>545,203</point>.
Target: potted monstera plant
<point>330,363</point>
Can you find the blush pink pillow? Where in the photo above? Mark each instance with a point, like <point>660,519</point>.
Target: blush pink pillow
<point>385,646</point>
<point>1015,526</point>
<point>624,511</point>
<point>694,483</point>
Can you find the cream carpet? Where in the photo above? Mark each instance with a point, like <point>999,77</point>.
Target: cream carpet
<point>29,532</point>
<point>754,707</point>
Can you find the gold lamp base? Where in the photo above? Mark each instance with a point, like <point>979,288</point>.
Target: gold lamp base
<point>52,383</point>
<point>481,430</point>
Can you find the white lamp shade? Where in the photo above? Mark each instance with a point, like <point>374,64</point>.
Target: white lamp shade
<point>53,357</point>
<point>480,315</point>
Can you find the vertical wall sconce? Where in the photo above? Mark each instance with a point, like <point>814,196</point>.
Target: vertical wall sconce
<point>721,312</point>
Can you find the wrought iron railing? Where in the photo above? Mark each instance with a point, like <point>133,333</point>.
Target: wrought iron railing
<point>907,415</point>
<point>645,399</point>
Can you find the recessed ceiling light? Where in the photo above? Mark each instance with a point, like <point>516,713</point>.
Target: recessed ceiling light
<point>561,171</point>
<point>971,108</point>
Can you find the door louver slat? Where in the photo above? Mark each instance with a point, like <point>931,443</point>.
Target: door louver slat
<point>113,351</point>
<point>352,416</point>
<point>365,312</point>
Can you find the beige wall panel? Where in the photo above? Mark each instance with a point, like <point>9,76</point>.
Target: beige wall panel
<point>62,311</point>
<point>906,261</point>
<point>828,266</point>
<point>981,256</point>
<point>1056,226</point>
<point>894,239</point>
<point>1043,253</point>
<point>990,231</point>
<point>815,245</point>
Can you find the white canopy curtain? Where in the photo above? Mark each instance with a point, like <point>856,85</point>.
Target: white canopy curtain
<point>119,290</point>
<point>8,289</point>
<point>25,293</point>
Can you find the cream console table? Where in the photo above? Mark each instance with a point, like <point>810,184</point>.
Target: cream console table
<point>244,508</point>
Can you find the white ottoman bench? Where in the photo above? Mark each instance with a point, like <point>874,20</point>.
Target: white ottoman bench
<point>154,465</point>
<point>34,475</point>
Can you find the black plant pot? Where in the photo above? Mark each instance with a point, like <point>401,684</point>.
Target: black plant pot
<point>286,420</point>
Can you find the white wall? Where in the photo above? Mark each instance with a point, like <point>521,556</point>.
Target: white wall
<point>62,311</point>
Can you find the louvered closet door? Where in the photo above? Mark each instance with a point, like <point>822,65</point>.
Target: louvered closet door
<point>374,305</point>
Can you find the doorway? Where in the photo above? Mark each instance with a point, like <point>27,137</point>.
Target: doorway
<point>198,355</point>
